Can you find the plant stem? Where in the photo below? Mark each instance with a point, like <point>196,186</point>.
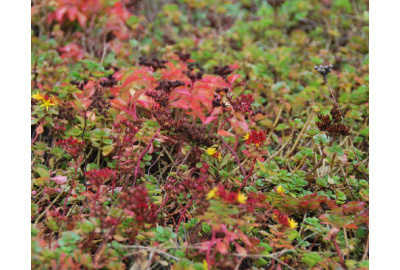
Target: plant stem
<point>72,186</point>
<point>248,176</point>
<point>339,252</point>
<point>366,250</point>
<point>283,146</point>
<point>276,121</point>
<point>161,206</point>
<point>142,155</point>
<point>234,154</point>
<point>48,207</point>
<point>298,137</point>
<point>182,214</point>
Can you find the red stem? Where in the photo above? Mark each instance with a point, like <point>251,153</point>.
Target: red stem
<point>34,139</point>
<point>236,144</point>
<point>338,251</point>
<point>142,155</point>
<point>234,154</point>
<point>161,206</point>
<point>72,186</point>
<point>248,176</point>
<point>115,179</point>
<point>182,213</point>
<point>226,120</point>
<point>310,249</point>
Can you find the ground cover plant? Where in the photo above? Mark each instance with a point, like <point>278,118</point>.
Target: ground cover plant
<point>199,134</point>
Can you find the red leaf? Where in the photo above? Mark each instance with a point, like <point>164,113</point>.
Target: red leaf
<point>225,133</point>
<point>350,226</point>
<point>39,129</point>
<point>60,13</point>
<point>72,13</point>
<point>51,191</point>
<point>59,179</point>
<point>222,248</point>
<point>210,119</point>
<point>241,250</point>
<point>81,19</point>
<point>232,78</point>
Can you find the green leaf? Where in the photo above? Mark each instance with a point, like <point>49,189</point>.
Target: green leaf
<point>293,235</point>
<point>261,262</point>
<point>337,149</point>
<point>205,227</point>
<point>147,157</point>
<point>42,172</point>
<point>68,237</point>
<point>108,141</point>
<point>321,139</point>
<point>311,259</point>
<point>92,166</point>
<point>199,165</point>
<point>107,149</point>
<point>226,159</point>
<point>73,132</point>
<point>87,226</point>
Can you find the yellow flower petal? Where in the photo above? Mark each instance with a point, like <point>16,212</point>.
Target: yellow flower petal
<point>205,265</point>
<point>48,102</point>
<point>241,198</point>
<point>293,224</point>
<point>246,136</point>
<point>212,193</point>
<point>280,190</point>
<point>211,151</point>
<point>38,96</point>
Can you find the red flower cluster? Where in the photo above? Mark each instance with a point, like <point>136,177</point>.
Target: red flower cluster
<point>242,103</point>
<point>99,177</point>
<point>257,138</point>
<point>74,147</point>
<point>136,203</point>
<point>282,218</point>
<point>195,186</point>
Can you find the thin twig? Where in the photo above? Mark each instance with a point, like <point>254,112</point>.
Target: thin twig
<point>142,155</point>
<point>366,250</point>
<point>155,250</point>
<point>48,207</point>
<point>234,154</point>
<point>299,136</point>
<point>283,146</point>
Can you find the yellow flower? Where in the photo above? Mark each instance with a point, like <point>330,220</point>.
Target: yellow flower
<point>55,102</point>
<point>205,265</point>
<point>219,156</point>
<point>293,224</point>
<point>38,96</point>
<point>246,136</point>
<point>48,103</point>
<point>212,193</point>
<point>241,198</point>
<point>211,151</point>
<point>280,190</point>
